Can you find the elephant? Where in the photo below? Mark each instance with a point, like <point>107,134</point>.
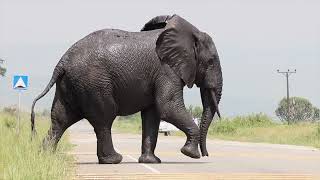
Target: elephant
<point>112,72</point>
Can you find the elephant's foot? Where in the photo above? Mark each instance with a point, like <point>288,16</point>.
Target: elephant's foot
<point>115,158</point>
<point>191,149</point>
<point>149,158</point>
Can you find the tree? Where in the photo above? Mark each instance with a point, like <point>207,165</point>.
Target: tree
<point>2,69</point>
<point>46,113</point>
<point>12,110</point>
<point>195,111</point>
<point>300,109</point>
<point>316,114</point>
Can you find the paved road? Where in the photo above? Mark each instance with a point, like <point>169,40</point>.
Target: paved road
<point>227,160</point>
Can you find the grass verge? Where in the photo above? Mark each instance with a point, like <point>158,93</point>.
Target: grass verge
<point>21,158</point>
<point>261,128</point>
<point>249,128</point>
<point>128,124</point>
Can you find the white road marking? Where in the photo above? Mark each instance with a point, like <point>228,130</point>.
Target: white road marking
<point>145,165</point>
<point>142,164</point>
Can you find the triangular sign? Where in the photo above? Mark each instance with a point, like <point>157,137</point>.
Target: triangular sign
<point>20,84</point>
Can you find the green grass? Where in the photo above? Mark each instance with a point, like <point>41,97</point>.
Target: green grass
<point>250,128</point>
<point>128,124</point>
<point>260,128</point>
<point>21,158</point>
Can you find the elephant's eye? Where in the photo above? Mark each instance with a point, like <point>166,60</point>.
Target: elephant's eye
<point>216,64</point>
<point>210,62</point>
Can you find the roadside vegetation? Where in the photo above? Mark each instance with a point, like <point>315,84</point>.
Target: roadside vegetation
<point>128,124</point>
<point>251,128</point>
<point>261,128</point>
<point>300,110</point>
<point>21,158</point>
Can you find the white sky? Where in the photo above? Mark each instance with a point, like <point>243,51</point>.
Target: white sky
<point>254,39</point>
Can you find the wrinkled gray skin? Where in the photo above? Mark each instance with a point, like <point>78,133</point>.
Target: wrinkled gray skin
<point>113,73</point>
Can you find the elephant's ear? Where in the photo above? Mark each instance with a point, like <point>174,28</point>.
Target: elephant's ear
<point>175,46</point>
<point>156,23</point>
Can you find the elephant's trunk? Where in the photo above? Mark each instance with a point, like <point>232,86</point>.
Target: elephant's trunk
<point>206,119</point>
<point>215,103</point>
<point>210,100</point>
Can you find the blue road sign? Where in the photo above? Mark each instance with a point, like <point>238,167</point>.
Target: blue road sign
<point>20,82</point>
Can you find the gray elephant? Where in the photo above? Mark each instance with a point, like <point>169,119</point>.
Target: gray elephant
<point>113,73</point>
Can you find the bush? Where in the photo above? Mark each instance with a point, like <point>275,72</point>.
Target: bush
<point>253,120</point>
<point>12,110</point>
<point>300,109</point>
<point>131,123</point>
<point>231,125</point>
<point>10,123</point>
<point>133,117</point>
<point>46,113</point>
<point>223,128</point>
<point>3,71</point>
<point>316,114</point>
<point>195,111</point>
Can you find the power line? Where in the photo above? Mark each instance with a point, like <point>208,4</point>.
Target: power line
<point>287,74</point>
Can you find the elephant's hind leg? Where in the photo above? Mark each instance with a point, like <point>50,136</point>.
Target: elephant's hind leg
<point>150,127</point>
<point>62,117</point>
<point>105,150</point>
<point>104,115</point>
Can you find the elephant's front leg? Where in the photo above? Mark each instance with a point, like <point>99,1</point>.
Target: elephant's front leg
<point>150,127</point>
<point>170,105</point>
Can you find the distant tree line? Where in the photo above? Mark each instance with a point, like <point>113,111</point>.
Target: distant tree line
<point>13,110</point>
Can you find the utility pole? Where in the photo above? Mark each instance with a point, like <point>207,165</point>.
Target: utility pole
<point>287,74</point>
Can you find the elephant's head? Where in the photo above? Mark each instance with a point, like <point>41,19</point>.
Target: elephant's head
<point>193,56</point>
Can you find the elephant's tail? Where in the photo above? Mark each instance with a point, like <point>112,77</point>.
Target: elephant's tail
<point>57,73</point>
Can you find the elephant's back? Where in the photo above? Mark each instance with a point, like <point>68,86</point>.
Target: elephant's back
<point>114,61</point>
<point>111,46</point>
<point>112,50</point>
<point>110,40</point>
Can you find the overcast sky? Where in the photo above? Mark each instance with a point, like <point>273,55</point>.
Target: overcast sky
<point>253,38</point>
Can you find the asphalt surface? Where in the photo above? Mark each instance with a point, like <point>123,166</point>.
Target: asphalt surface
<point>227,159</point>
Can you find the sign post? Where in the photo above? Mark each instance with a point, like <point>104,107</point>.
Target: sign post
<point>20,82</point>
